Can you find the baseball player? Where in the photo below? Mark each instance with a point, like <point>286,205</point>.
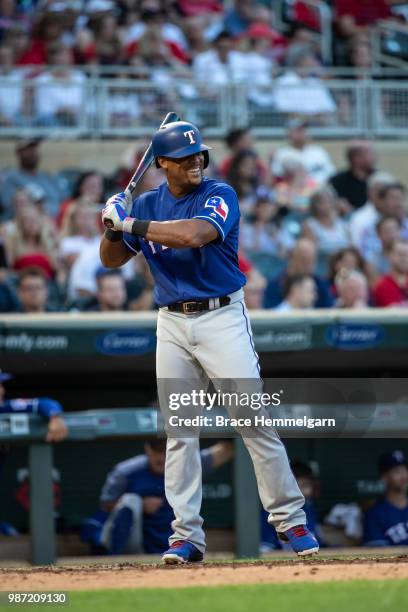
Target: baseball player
<point>187,229</point>
<point>46,407</point>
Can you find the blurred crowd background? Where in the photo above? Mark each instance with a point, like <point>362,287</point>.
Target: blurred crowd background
<point>288,55</point>
<point>312,235</point>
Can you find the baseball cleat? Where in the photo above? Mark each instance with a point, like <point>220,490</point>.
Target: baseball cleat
<point>182,551</point>
<point>302,540</point>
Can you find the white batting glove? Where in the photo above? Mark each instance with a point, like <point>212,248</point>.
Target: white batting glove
<point>115,215</point>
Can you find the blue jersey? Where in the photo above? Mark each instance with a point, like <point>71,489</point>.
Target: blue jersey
<point>44,406</point>
<point>385,525</point>
<point>187,273</point>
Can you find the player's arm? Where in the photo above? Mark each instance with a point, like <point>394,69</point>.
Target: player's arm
<point>178,234</point>
<point>113,251</point>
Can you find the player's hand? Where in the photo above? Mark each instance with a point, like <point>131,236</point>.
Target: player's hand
<point>57,429</point>
<point>117,210</point>
<point>151,504</point>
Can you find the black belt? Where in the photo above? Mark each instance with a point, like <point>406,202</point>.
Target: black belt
<point>193,307</point>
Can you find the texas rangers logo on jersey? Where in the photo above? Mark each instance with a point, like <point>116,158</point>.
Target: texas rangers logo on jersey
<point>219,205</point>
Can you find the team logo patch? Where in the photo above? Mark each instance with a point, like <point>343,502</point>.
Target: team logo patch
<point>219,205</point>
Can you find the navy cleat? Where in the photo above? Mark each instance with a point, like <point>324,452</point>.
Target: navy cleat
<point>182,551</point>
<point>301,540</point>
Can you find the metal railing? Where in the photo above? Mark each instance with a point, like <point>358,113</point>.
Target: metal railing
<point>116,107</point>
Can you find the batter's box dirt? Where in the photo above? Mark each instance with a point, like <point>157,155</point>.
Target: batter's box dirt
<point>128,575</point>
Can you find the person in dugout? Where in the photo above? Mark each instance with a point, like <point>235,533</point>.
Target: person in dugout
<point>48,408</point>
<point>134,516</point>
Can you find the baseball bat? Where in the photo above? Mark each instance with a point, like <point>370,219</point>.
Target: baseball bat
<point>145,162</point>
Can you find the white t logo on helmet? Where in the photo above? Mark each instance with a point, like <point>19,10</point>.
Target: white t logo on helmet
<point>190,135</point>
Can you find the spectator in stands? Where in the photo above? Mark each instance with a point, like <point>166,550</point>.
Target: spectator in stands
<point>134,515</point>
<point>18,38</point>
<point>258,64</point>
<point>307,483</point>
<point>324,226</point>
<point>388,200</point>
<point>243,176</point>
<point>386,523</point>
<point>392,288</point>
<point>20,200</point>
<point>388,231</point>
<point>361,57</point>
<point>192,8</point>
<point>238,19</point>
<point>48,30</point>
<point>351,16</point>
<point>299,293</point>
<point>11,91</point>
<point>344,261</point>
<point>237,140</point>
<point>314,158</point>
<point>263,37</point>
<point>352,290</point>
<point>8,16</point>
<point>368,215</point>
<point>27,174</point>
<point>32,291</point>
<point>195,35</point>
<point>88,191</point>
<point>302,261</point>
<point>295,188</point>
<point>299,91</point>
<point>32,242</point>
<point>8,299</point>
<point>260,232</point>
<point>82,280</point>
<point>111,295</point>
<point>44,406</point>
<point>221,64</point>
<point>108,46</point>
<point>154,17</point>
<point>60,103</point>
<point>351,184</point>
<point>79,230</point>
<point>255,286</point>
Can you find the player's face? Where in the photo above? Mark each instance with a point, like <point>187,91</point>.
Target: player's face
<point>2,392</point>
<point>157,460</point>
<point>185,173</point>
<point>397,478</point>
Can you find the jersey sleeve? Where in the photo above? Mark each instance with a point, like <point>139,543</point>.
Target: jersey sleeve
<point>221,209</point>
<point>114,487</point>
<point>373,531</point>
<point>44,406</point>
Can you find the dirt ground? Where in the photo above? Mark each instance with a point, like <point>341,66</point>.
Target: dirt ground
<point>132,575</point>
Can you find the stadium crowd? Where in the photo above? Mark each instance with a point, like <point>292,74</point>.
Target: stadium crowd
<point>48,48</point>
<point>311,236</point>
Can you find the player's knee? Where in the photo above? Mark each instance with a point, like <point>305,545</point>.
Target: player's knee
<point>133,501</point>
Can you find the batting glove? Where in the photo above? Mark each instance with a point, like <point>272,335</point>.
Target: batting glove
<point>115,214</point>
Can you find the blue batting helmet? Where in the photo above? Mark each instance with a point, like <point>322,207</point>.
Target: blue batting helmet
<point>178,139</point>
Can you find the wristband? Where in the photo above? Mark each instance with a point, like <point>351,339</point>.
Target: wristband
<point>112,235</point>
<point>139,228</point>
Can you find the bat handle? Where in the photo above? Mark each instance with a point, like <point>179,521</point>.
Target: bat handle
<point>108,223</point>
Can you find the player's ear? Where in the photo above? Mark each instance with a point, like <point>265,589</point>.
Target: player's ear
<point>162,162</point>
